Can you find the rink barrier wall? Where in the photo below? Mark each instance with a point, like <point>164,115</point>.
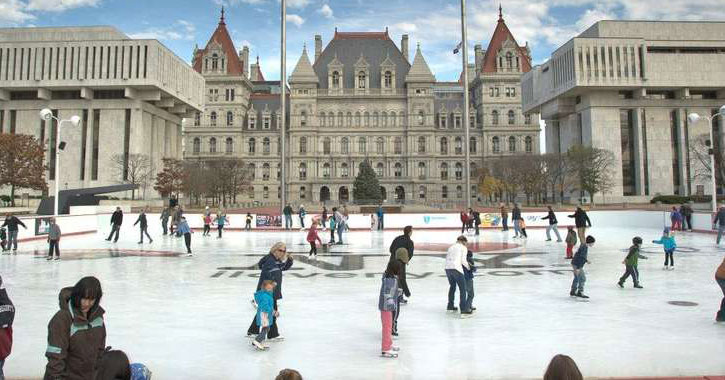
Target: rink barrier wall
<point>100,223</point>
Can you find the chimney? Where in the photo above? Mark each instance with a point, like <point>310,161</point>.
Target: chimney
<point>404,47</point>
<point>254,76</point>
<point>478,49</point>
<point>244,57</point>
<point>318,46</point>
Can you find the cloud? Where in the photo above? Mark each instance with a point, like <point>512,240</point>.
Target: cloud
<point>326,11</point>
<point>405,27</point>
<point>13,12</point>
<point>298,3</point>
<point>180,30</point>
<point>59,5</point>
<point>295,19</point>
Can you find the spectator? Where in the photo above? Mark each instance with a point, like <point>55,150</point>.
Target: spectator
<point>719,222</point>
<point>116,222</point>
<point>287,211</point>
<point>686,212</point>
<point>53,240</point>
<point>504,217</point>
<point>381,214</point>
<point>7,315</point>
<point>562,367</point>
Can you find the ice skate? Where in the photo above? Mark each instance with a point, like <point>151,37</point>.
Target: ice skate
<point>188,254</point>
<point>57,257</point>
<point>278,338</point>
<point>466,314</point>
<point>394,348</point>
<point>389,354</point>
<point>572,294</point>
<point>582,295</point>
<point>258,346</point>
<point>638,286</point>
<point>452,309</point>
<point>49,258</point>
<point>621,284</point>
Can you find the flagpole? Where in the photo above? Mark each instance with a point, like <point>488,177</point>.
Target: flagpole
<point>466,116</point>
<point>283,101</point>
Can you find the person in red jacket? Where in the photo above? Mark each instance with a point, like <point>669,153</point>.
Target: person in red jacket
<point>7,314</point>
<point>313,238</point>
<point>464,221</point>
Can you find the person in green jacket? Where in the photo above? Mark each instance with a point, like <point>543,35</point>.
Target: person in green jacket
<point>631,263</point>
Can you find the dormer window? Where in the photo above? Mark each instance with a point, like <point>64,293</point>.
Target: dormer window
<point>266,122</point>
<point>214,62</point>
<point>252,122</point>
<point>335,79</point>
<point>388,81</point>
<point>509,60</point>
<point>361,80</point>
<point>212,118</point>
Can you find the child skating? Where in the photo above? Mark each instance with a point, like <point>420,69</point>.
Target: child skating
<point>313,238</point>
<point>631,263</point>
<point>468,276</point>
<point>571,240</point>
<point>580,259</point>
<point>668,242</point>
<point>265,312</point>
<point>207,225</point>
<point>248,222</point>
<point>388,304</point>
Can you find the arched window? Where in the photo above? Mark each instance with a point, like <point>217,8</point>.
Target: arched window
<point>212,145</point>
<point>398,146</point>
<point>367,119</point>
<point>512,117</point>
<point>197,145</point>
<point>326,145</point>
<point>398,170</point>
<point>509,60</point>
<point>459,145</point>
<point>444,171</point>
<point>214,61</point>
<point>230,118</point>
<point>421,170</point>
<point>384,119</point>
<point>494,117</point>
<point>265,172</point>
<point>459,192</point>
<point>421,192</point>
<point>303,118</point>
<point>379,169</point>
<point>303,171</point>
<point>472,143</point>
<point>444,192</point>
<point>361,80</point>
<point>265,145</point>
<point>527,119</point>
<point>444,145</point>
<point>362,145</point>
<point>212,118</point>
<point>529,143</point>
<point>252,169</point>
<point>252,145</point>
<point>326,170</point>
<point>265,192</point>
<point>421,117</point>
<point>322,119</point>
<point>303,145</point>
<point>197,119</point>
<point>229,148</point>
<point>459,171</point>
<point>512,144</point>
<point>380,145</point>
<point>340,119</point>
<point>496,144</point>
<point>388,79</point>
<point>358,119</point>
<point>331,116</point>
<point>335,79</point>
<point>344,170</point>
<point>345,146</point>
<point>421,144</point>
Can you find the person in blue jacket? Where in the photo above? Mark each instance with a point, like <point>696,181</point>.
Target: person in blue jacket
<point>577,263</point>
<point>265,312</point>
<point>668,242</point>
<point>272,265</point>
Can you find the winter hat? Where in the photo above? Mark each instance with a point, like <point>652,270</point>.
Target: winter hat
<point>114,366</point>
<point>402,255</point>
<point>637,240</point>
<point>590,239</point>
<point>666,231</point>
<point>140,372</point>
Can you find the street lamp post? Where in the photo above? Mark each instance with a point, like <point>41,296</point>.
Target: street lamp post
<point>283,105</point>
<point>466,116</point>
<point>694,118</point>
<point>47,115</point>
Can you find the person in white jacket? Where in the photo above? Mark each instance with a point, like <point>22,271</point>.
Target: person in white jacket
<point>455,262</point>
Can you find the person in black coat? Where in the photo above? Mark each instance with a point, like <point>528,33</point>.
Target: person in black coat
<point>272,266</point>
<point>476,221</point>
<point>581,220</point>
<point>144,226</point>
<point>516,217</point>
<point>552,225</point>
<point>403,241</point>
<point>116,221</point>
<point>12,223</point>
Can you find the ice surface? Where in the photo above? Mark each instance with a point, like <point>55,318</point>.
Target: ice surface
<point>186,318</point>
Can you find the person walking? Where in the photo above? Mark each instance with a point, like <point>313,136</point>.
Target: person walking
<point>116,222</point>
<point>287,211</point>
<point>551,217</point>
<point>183,229</point>
<point>516,217</point>
<point>221,220</point>
<point>53,240</point>
<point>720,279</point>
<point>718,222</point>
<point>388,305</point>
<point>381,214</point>
<point>7,316</point>
<point>324,217</point>
<point>686,212</point>
<point>12,222</point>
<point>504,217</point>
<point>272,267</point>
<point>302,213</point>
<point>581,221</point>
<point>476,221</point>
<point>165,214</point>
<point>332,226</point>
<point>455,262</point>
<point>577,263</point>
<point>143,226</point>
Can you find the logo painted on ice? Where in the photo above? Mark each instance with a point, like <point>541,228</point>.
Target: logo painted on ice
<point>426,219</point>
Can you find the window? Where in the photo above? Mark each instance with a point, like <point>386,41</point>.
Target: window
<point>266,122</point>
<point>265,172</point>
<point>444,192</point>
<point>303,171</point>
<point>229,146</point>
<point>459,192</point>
<point>459,145</point>
<point>358,119</point>
<point>491,92</point>
<point>252,145</point>
<point>398,169</point>
<point>421,118</point>
<point>344,170</point>
<point>398,146</point>
<point>349,119</point>
<point>303,118</point>
<point>212,145</point>
<point>393,119</point>
<point>512,117</point>
<point>444,171</point>
<point>443,121</point>
<point>472,145</point>
<point>444,145</point>
<point>197,119</point>
<point>528,142</point>
<point>494,117</point>
<point>457,122</point>
<point>303,145</point>
<point>509,60</point>
<point>326,170</point>
<point>362,145</point>
<point>379,169</point>
<point>376,119</point>
<point>322,119</point>
<point>496,144</point>
<point>265,192</point>
<point>361,79</point>
<point>326,145</point>
<point>345,146</point>
<point>527,119</point>
<point>384,119</point>
<point>197,145</point>
<point>421,144</point>
<point>252,169</point>
<point>421,170</point>
<point>421,192</point>
<point>380,145</point>
<point>512,144</point>
<point>265,145</point>
<point>213,119</point>
<point>367,119</point>
<point>335,79</point>
<point>459,171</point>
<point>388,83</point>
<point>230,118</point>
<point>214,61</point>
<point>252,122</point>
<point>340,120</point>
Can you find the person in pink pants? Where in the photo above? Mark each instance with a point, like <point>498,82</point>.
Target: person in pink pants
<point>387,305</point>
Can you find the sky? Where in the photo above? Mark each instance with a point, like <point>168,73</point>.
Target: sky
<point>435,24</point>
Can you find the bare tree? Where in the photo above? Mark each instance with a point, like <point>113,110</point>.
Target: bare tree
<point>558,174</point>
<point>134,169</point>
<point>593,168</point>
<point>700,153</point>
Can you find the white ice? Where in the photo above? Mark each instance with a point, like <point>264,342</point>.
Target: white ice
<point>186,319</point>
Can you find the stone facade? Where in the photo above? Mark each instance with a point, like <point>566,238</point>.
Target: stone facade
<point>628,86</point>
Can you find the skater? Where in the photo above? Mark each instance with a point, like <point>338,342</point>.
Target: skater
<point>220,220</point>
<point>719,222</point>
<point>165,214</point>
<point>631,263</point>
<point>272,267</point>
<point>332,226</point>
<point>388,305</point>
<point>4,240</point>
<point>313,238</point>
<point>686,212</point>
<point>403,241</point>
<point>401,259</point>
<point>477,221</point>
<point>175,219</point>
<point>675,219</point>
<point>324,217</point>
<point>570,242</point>
<point>515,218</point>
<point>553,223</point>
<point>287,211</point>
<point>468,276</point>
<point>504,217</point>
<point>7,315</point>
<point>668,242</point>
<point>12,223</point>
<point>207,211</point>
<point>580,259</point>
<point>248,222</point>
<point>288,374</point>
<point>464,222</point>
<point>581,220</point>
<point>144,226</point>
<point>114,365</point>
<point>381,214</point>
<point>116,221</point>
<point>77,334</point>
<point>455,264</point>
<point>562,367</point>
<point>720,279</point>
<point>302,213</point>
<point>53,240</point>
<point>522,227</point>
<point>183,229</point>
<point>207,225</point>
<point>266,313</point>
<point>341,224</point>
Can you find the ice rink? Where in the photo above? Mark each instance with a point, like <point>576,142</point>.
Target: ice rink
<point>186,318</point>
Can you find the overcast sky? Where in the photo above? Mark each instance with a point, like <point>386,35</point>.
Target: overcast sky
<point>435,24</point>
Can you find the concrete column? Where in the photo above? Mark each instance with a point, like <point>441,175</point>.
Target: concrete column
<point>683,150</point>
<point>638,153</point>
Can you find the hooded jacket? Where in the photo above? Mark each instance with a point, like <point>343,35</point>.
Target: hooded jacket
<point>633,256</point>
<point>7,315</point>
<point>571,237</point>
<point>75,342</point>
<point>12,223</point>
<point>272,270</point>
<point>142,219</point>
<point>581,219</point>
<point>552,218</point>
<point>265,304</point>
<point>117,218</point>
<point>402,241</point>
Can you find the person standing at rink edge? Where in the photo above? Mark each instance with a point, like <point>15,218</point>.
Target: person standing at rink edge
<point>53,240</point>
<point>12,222</point>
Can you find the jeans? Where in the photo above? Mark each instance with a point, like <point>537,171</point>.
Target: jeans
<point>720,231</point>
<point>248,226</point>
<point>53,245</point>
<point>273,330</point>
<point>669,258</point>
<point>477,224</point>
<point>380,223</point>
<point>505,223</point>
<point>220,228</point>
<point>687,222</point>
<point>469,293</point>
<point>455,278</point>
<point>262,334</point>
<point>580,278</point>
<point>386,317</point>
<point>721,282</point>
<point>13,240</point>
<point>287,222</point>
<point>517,228</point>
<point>631,271</point>
<point>187,240</point>
<point>115,229</point>
<point>556,232</point>
<point>145,230</point>
<point>340,230</point>
<point>302,221</point>
<point>165,226</point>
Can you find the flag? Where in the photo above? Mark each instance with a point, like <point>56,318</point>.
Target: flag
<point>458,48</point>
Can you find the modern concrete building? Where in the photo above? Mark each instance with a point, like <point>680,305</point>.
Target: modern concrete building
<point>628,86</point>
<point>131,96</point>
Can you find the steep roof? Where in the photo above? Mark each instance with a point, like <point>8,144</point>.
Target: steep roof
<point>375,47</point>
<point>419,72</point>
<point>500,35</point>
<point>303,72</point>
<point>221,36</point>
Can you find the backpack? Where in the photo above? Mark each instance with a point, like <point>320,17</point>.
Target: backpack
<point>140,372</point>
